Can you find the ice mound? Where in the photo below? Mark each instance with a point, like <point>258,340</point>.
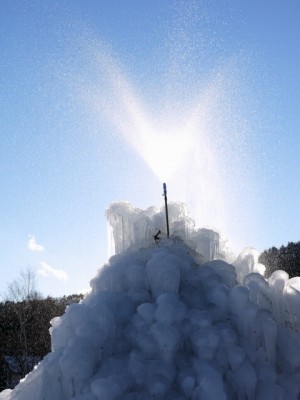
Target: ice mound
<point>158,325</point>
<point>170,321</point>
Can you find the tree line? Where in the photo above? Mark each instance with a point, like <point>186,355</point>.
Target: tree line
<point>24,334</point>
<point>286,258</point>
<point>24,327</point>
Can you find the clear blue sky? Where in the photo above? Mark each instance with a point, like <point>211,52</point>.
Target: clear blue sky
<point>64,151</point>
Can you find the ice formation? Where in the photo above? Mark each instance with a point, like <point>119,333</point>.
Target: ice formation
<point>132,228</point>
<point>161,322</point>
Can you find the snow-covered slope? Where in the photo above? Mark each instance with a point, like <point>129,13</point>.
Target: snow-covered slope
<point>160,325</point>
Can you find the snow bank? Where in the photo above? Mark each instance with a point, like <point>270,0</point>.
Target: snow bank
<point>157,324</point>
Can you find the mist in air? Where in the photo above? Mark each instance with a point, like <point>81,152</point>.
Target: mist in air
<point>187,118</point>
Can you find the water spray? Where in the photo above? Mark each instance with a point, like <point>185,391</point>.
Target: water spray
<point>166,206</point>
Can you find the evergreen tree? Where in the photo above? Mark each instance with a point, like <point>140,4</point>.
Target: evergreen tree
<point>16,360</point>
<point>286,258</point>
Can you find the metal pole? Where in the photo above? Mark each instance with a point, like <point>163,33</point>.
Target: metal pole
<point>166,206</point>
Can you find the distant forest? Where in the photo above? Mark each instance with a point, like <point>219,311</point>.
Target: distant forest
<point>286,258</point>
<point>24,334</point>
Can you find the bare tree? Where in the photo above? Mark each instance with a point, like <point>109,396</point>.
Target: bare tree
<point>21,292</point>
<point>23,288</point>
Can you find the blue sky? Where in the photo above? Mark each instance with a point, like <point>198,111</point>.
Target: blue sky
<point>68,146</point>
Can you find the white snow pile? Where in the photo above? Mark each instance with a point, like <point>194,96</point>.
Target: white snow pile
<point>157,324</point>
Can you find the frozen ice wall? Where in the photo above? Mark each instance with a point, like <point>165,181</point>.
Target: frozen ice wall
<point>132,227</point>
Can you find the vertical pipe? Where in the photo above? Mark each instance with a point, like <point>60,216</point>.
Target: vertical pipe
<point>166,206</point>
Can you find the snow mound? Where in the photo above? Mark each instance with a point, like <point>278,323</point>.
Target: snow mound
<point>158,325</point>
